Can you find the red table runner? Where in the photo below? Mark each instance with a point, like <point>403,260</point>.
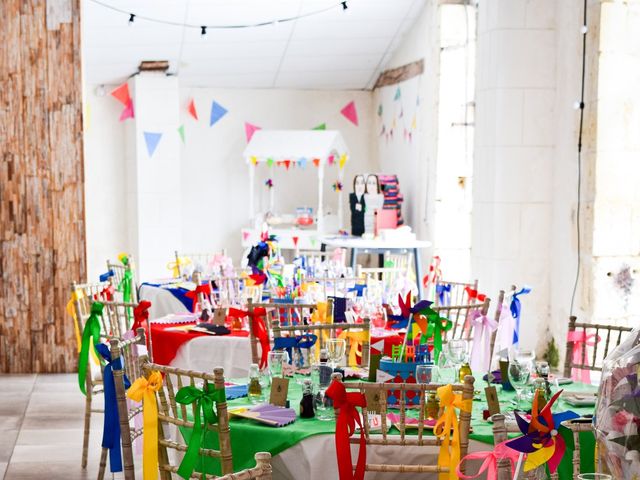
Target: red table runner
<point>166,341</point>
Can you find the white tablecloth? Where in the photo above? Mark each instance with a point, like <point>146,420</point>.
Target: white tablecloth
<point>162,301</point>
<point>204,353</point>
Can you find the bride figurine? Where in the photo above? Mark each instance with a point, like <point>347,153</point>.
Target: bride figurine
<point>374,200</point>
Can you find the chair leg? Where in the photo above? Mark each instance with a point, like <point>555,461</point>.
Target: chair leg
<point>87,424</point>
<point>103,463</point>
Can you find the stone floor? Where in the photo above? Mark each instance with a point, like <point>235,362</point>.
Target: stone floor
<point>41,428</point>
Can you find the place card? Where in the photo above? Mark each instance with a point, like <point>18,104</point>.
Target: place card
<point>279,390</point>
<point>373,400</point>
<point>219,316</point>
<point>492,400</point>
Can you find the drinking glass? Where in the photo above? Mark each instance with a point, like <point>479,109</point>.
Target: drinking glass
<point>426,373</point>
<point>456,353</point>
<point>336,348</point>
<point>519,373</point>
<point>275,360</point>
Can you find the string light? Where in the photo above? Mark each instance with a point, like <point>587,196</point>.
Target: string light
<point>275,21</point>
<point>203,32</point>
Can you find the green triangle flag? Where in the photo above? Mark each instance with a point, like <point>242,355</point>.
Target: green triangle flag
<point>269,162</point>
<point>181,132</point>
<point>322,126</point>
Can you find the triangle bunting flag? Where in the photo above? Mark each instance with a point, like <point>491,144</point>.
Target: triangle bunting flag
<point>152,139</point>
<point>217,112</point>
<point>350,113</point>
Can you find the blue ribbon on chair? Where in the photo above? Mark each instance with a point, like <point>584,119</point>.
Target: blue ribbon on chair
<point>298,342</point>
<point>104,277</point>
<point>111,430</point>
<point>358,288</point>
<point>516,309</point>
<point>444,293</point>
<point>339,309</point>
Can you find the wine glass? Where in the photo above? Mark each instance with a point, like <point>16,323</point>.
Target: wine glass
<point>426,373</point>
<point>456,353</point>
<point>275,361</point>
<point>519,373</point>
<point>336,348</point>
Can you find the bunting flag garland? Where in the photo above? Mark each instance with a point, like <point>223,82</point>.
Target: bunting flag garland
<point>269,162</point>
<point>152,139</point>
<point>342,161</point>
<point>380,110</point>
<point>127,112</point>
<point>245,236</point>
<point>287,164</point>
<point>250,129</point>
<point>350,113</point>
<point>181,132</point>
<point>191,108</point>
<point>254,161</point>
<point>121,94</point>
<point>316,162</point>
<point>330,159</point>
<point>302,162</point>
<point>217,112</point>
<point>398,94</point>
<point>322,126</point>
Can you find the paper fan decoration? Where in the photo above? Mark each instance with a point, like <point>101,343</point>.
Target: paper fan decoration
<point>541,441</point>
<point>337,186</point>
<point>268,414</point>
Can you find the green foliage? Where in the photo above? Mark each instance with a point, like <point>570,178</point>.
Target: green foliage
<point>551,354</point>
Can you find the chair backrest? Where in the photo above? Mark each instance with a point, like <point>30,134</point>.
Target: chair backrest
<point>499,436</point>
<point>83,295</point>
<point>378,391</point>
<point>169,413</point>
<point>334,287</point>
<point>460,316</point>
<point>458,294</point>
<point>277,313</point>
<point>599,338</point>
<point>118,317</point>
<point>577,427</point>
<point>118,274</point>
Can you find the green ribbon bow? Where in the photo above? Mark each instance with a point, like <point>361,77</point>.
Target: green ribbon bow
<point>436,325</point>
<point>91,330</point>
<point>204,399</point>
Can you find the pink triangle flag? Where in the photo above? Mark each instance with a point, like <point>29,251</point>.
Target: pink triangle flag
<point>121,94</point>
<point>127,112</point>
<point>245,236</point>
<point>350,113</point>
<point>191,108</point>
<point>250,129</point>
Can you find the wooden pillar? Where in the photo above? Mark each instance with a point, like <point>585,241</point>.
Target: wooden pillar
<point>42,232</point>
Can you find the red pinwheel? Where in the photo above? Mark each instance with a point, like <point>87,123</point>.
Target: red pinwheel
<point>541,441</point>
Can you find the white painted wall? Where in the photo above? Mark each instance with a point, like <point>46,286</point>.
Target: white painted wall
<point>212,178</point>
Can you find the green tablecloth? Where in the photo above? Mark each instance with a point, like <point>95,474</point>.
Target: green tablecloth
<point>249,437</point>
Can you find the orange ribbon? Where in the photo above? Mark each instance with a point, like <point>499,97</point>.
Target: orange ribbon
<point>447,428</point>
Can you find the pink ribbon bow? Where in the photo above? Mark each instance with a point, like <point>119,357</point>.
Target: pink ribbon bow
<point>581,341</point>
<point>483,327</point>
<point>490,461</point>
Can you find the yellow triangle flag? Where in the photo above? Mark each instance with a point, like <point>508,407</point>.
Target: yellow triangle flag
<point>343,160</point>
<point>413,123</point>
<point>254,161</point>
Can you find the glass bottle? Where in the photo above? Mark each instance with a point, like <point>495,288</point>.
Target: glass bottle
<point>306,403</point>
<point>254,388</point>
<point>465,370</point>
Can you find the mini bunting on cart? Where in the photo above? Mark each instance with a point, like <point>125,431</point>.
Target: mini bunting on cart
<point>350,113</point>
<point>181,133</point>
<point>322,126</point>
<point>302,162</point>
<point>217,112</point>
<point>330,159</point>
<point>316,162</point>
<point>343,160</point>
<point>270,162</point>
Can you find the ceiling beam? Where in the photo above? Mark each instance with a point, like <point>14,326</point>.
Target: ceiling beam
<point>400,74</point>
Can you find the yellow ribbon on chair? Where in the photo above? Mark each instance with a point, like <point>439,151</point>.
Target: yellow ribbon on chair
<point>355,339</point>
<point>144,390</point>
<point>176,264</point>
<point>71,310</point>
<point>319,316</point>
<point>447,428</point>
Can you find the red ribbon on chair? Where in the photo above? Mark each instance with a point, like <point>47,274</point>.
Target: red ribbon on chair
<point>473,294</point>
<point>141,315</point>
<point>434,274</point>
<point>581,341</point>
<point>105,294</point>
<point>348,417</point>
<point>490,463</point>
<point>259,329</point>
<point>205,289</point>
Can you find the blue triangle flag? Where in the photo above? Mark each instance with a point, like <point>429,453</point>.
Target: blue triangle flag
<point>152,139</point>
<point>217,112</point>
<point>397,97</point>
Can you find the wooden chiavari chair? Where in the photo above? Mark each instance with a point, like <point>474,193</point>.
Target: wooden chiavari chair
<point>119,270</point>
<point>335,286</point>
<point>499,436</point>
<point>576,427</point>
<point>604,338</point>
<point>458,294</point>
<point>379,392</point>
<point>503,297</point>
<point>175,415</point>
<point>460,316</point>
<point>83,295</point>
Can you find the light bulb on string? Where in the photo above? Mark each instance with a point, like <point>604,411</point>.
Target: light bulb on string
<point>344,5</point>
<point>203,32</point>
<point>132,18</point>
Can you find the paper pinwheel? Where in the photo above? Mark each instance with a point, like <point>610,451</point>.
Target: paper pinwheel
<point>337,186</point>
<point>540,440</point>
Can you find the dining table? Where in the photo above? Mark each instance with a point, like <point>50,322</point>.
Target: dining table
<point>306,447</point>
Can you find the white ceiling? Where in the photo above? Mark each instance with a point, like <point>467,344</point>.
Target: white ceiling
<point>333,50</point>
